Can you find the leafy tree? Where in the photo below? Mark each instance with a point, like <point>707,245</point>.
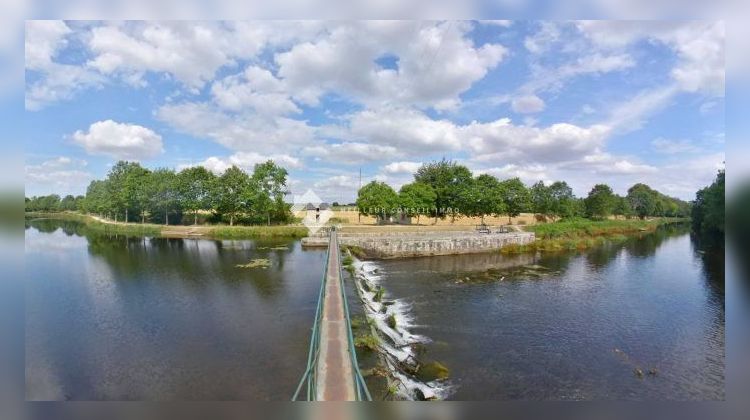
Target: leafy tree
<point>447,179</point>
<point>97,198</point>
<point>271,181</point>
<point>515,196</point>
<point>542,201</point>
<point>708,211</point>
<point>163,192</point>
<point>622,207</point>
<point>563,200</point>
<point>231,192</point>
<point>68,203</point>
<point>643,200</point>
<point>600,202</point>
<point>416,199</point>
<point>377,199</point>
<point>482,196</point>
<point>194,185</point>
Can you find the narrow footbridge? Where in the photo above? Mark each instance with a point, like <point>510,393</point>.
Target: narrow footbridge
<point>332,372</point>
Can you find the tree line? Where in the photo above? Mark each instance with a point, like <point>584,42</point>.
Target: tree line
<point>132,193</point>
<point>446,189</point>
<point>708,212</point>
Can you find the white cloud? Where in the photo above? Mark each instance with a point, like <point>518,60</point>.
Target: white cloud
<point>527,104</point>
<point>699,45</point>
<point>119,140</point>
<point>436,62</point>
<point>192,52</point>
<point>255,88</point>
<point>402,167</point>
<point>348,153</point>
<point>529,174</point>
<point>632,113</point>
<point>241,132</point>
<point>62,175</point>
<point>55,82</point>
<point>245,161</point>
<point>405,128</point>
<point>543,39</point>
<point>43,39</point>
<point>667,146</point>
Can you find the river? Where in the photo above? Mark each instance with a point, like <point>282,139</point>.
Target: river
<point>119,318</point>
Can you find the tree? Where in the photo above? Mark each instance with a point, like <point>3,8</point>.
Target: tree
<point>97,200</point>
<point>563,200</point>
<point>377,199</point>
<point>600,201</point>
<point>230,192</point>
<point>482,196</point>
<point>194,186</point>
<point>642,200</point>
<point>515,196</point>
<point>416,199</point>
<point>708,211</point>
<point>271,181</point>
<point>447,179</point>
<point>68,203</point>
<point>622,207</point>
<point>163,192</point>
<point>542,202</point>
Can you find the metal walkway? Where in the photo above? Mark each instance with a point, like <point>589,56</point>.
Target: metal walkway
<point>332,372</point>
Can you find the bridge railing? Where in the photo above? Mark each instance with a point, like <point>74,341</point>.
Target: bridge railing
<point>309,376</point>
<point>363,394</point>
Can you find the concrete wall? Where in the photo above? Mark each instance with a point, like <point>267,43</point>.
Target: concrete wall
<point>409,245</point>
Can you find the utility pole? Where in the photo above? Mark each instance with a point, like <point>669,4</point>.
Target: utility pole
<point>359,215</point>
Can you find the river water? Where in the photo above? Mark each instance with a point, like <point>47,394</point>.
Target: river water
<point>118,318</point>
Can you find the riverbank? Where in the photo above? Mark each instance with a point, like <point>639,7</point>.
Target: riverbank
<point>580,234</point>
<point>178,231</point>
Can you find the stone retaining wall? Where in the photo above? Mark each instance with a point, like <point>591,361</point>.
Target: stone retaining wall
<point>426,244</point>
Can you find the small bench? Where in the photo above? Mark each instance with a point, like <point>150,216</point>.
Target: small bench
<point>504,229</point>
<point>483,229</point>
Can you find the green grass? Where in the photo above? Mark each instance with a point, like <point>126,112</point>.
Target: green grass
<point>580,234</point>
<point>244,232</point>
<point>368,341</point>
<point>148,229</point>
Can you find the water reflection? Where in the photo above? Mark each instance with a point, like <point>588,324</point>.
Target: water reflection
<point>118,317</point>
<point>573,325</point>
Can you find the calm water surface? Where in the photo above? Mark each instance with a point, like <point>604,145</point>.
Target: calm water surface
<point>167,319</point>
<point>164,319</point>
<point>573,325</point>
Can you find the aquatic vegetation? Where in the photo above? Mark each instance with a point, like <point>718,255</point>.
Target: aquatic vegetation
<point>378,294</point>
<point>256,263</point>
<point>432,371</point>
<point>366,341</point>
<point>391,321</point>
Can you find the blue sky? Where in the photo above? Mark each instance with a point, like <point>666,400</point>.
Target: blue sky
<point>581,101</point>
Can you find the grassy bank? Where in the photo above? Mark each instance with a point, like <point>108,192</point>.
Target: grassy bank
<point>240,232</point>
<point>176,231</point>
<point>579,234</point>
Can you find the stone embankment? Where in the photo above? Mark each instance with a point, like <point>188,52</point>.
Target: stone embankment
<point>418,244</point>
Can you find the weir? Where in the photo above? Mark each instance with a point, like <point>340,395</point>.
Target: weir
<point>332,372</point>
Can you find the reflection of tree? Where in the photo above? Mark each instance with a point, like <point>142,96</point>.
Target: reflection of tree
<point>646,244</point>
<point>713,260</point>
<point>44,225</point>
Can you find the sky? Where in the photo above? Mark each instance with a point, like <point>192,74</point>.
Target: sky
<point>587,102</point>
